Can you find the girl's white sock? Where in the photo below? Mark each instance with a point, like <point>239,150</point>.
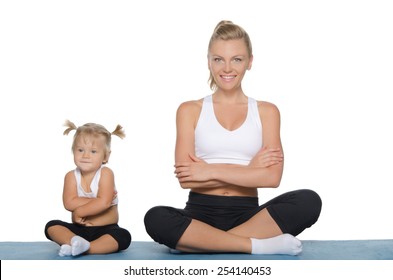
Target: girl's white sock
<point>65,250</point>
<point>79,245</point>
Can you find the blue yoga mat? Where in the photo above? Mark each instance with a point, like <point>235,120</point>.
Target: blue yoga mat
<point>312,250</point>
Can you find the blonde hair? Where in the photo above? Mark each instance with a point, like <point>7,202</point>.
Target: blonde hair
<point>227,30</point>
<point>95,130</point>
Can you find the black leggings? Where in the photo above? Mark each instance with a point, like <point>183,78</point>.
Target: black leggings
<point>292,211</point>
<point>121,235</point>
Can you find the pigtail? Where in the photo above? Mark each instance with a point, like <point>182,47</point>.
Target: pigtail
<point>70,126</point>
<point>119,131</point>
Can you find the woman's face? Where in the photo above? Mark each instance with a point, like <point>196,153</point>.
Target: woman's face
<point>228,62</point>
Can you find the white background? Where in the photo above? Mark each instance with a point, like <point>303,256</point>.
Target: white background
<point>327,65</point>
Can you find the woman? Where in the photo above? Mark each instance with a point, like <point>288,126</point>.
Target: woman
<point>228,145</point>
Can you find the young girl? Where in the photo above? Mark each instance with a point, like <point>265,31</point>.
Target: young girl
<point>90,195</point>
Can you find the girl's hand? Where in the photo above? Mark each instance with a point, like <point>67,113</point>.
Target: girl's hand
<point>77,219</point>
<point>267,157</point>
<point>197,170</point>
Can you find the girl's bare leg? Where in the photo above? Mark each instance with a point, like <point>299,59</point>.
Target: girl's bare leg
<point>63,236</point>
<point>104,245</point>
<point>70,244</point>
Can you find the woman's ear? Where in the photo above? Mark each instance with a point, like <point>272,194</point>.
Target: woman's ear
<point>250,63</point>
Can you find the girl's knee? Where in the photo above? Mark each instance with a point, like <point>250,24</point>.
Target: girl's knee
<point>51,224</point>
<point>123,238</point>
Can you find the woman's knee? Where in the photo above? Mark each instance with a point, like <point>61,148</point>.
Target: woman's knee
<point>155,220</point>
<point>312,203</point>
<point>165,225</point>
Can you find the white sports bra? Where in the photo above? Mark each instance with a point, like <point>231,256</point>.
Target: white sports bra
<point>215,144</point>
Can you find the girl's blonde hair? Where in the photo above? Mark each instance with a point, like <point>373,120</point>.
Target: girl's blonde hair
<point>227,30</point>
<point>95,130</point>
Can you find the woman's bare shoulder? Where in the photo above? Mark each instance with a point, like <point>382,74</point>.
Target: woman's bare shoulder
<point>191,104</point>
<point>190,107</point>
<point>269,108</point>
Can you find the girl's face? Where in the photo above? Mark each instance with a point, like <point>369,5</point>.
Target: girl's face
<point>90,153</point>
<point>228,62</point>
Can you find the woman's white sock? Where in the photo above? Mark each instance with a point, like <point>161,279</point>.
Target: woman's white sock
<point>281,244</point>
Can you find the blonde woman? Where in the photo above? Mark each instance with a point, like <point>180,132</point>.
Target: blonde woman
<point>228,146</point>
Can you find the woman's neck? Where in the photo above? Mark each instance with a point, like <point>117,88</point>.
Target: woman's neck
<point>229,97</point>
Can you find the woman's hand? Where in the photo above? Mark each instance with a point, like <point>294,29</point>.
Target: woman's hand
<point>267,157</point>
<point>197,170</point>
